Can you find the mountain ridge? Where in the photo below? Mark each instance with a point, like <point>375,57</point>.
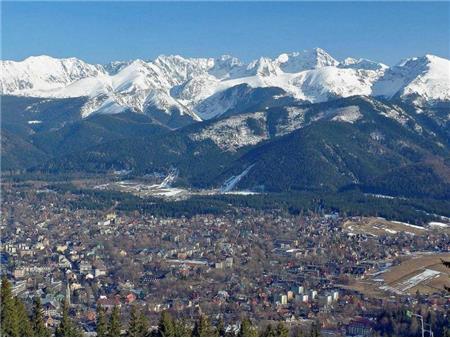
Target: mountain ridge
<point>174,85</point>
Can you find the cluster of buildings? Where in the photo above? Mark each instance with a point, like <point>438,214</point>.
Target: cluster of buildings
<point>269,265</point>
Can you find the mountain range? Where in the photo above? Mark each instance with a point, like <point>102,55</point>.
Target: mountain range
<point>177,90</point>
<point>302,121</point>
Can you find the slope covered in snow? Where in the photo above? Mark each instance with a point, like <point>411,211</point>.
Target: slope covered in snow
<point>421,80</point>
<point>42,75</point>
<point>331,82</point>
<point>198,88</point>
<point>307,59</point>
<point>362,64</point>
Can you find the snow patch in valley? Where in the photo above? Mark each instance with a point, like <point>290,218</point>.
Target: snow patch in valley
<point>295,120</point>
<point>438,224</point>
<point>419,278</point>
<point>409,225</point>
<point>380,196</point>
<point>347,114</point>
<point>241,192</point>
<point>233,181</point>
<point>390,231</point>
<point>169,192</point>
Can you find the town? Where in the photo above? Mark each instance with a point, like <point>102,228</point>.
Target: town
<point>317,273</point>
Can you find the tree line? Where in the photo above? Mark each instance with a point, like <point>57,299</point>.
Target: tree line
<point>16,321</point>
<point>170,327</point>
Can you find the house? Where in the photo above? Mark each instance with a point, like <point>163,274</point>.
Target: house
<point>85,266</point>
<point>360,327</point>
<point>50,308</point>
<point>63,262</point>
<point>100,269</point>
<point>109,303</point>
<point>19,272</point>
<point>130,298</point>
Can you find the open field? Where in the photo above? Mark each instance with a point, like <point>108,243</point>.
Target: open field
<point>423,272</point>
<point>377,226</point>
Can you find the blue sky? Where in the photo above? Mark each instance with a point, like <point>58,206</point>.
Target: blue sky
<point>104,31</point>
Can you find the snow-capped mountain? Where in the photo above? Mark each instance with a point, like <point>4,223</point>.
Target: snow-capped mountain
<point>307,59</point>
<point>114,67</point>
<point>420,80</point>
<point>43,75</point>
<point>362,64</point>
<point>198,88</point>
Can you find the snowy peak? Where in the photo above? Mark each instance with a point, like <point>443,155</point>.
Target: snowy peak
<point>421,80</point>
<point>262,67</point>
<point>304,60</point>
<point>225,66</point>
<point>328,83</point>
<point>44,73</point>
<point>200,87</point>
<point>114,67</point>
<point>179,69</point>
<point>362,64</point>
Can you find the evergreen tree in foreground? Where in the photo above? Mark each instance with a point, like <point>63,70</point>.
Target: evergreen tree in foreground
<point>133,325</point>
<point>315,329</point>
<point>25,328</point>
<point>115,326</point>
<point>202,328</point>
<point>37,319</point>
<point>166,327</point>
<point>9,315</point>
<point>247,329</point>
<point>66,327</point>
<point>101,322</point>
<point>143,325</point>
<point>282,330</point>
<point>182,329</point>
<point>220,328</point>
<point>269,331</point>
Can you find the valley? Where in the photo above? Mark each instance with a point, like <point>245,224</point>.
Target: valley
<point>299,191</point>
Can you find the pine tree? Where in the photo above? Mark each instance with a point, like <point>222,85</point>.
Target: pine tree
<point>101,322</point>
<point>166,327</point>
<point>315,329</point>
<point>182,329</point>
<point>9,316</point>
<point>202,328</point>
<point>247,329</point>
<point>282,330</point>
<point>220,328</point>
<point>25,327</point>
<point>66,327</point>
<point>37,319</point>
<point>115,325</point>
<point>133,325</point>
<point>269,331</point>
<point>143,325</point>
